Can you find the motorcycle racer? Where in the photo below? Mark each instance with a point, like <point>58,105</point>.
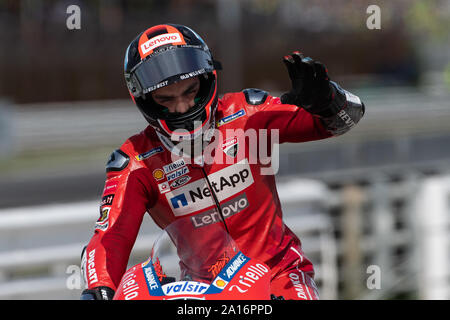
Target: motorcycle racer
<point>203,157</point>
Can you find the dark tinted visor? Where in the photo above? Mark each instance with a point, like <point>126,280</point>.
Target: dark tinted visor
<point>171,65</point>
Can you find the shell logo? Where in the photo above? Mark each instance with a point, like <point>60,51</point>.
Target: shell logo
<point>220,283</point>
<point>158,174</point>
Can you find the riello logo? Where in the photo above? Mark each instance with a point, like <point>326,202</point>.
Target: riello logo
<point>160,40</point>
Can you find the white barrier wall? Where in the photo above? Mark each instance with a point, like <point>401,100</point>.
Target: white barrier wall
<point>432,240</point>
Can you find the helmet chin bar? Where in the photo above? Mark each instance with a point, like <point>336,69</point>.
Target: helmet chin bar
<point>188,148</point>
<point>182,134</point>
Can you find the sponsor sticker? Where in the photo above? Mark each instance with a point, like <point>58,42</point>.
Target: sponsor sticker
<point>252,273</point>
<point>178,201</point>
<point>174,165</point>
<point>180,182</point>
<point>220,283</point>
<point>225,183</point>
<point>110,187</point>
<point>346,118</point>
<point>91,270</point>
<point>164,187</point>
<point>229,208</point>
<point>130,287</point>
<point>160,40</point>
<point>238,261</point>
<point>192,74</point>
<point>149,153</point>
<point>177,173</point>
<point>103,222</point>
<point>158,174</point>
<point>231,117</point>
<point>107,200</point>
<point>146,262</point>
<point>230,147</point>
<point>151,278</point>
<point>184,287</point>
<point>157,86</point>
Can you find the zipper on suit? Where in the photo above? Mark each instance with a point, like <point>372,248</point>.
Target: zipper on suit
<point>216,201</point>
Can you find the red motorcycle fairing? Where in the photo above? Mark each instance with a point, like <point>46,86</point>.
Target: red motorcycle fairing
<point>241,278</point>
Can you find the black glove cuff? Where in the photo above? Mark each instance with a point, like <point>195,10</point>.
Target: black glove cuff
<point>98,293</point>
<point>343,113</point>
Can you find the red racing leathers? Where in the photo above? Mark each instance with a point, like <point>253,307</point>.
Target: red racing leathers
<point>145,176</point>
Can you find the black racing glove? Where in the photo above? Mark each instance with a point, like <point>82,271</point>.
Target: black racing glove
<point>98,293</point>
<point>311,88</point>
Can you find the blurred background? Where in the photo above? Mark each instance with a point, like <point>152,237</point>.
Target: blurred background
<point>372,207</point>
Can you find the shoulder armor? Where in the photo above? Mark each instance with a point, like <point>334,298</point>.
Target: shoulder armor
<point>118,160</point>
<point>255,96</point>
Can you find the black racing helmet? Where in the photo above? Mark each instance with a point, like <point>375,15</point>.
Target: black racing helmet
<point>163,55</point>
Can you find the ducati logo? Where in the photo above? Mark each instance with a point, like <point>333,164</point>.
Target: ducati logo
<point>232,151</point>
<point>230,147</point>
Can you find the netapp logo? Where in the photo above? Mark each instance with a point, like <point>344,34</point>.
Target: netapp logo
<point>218,186</point>
<point>179,200</point>
<point>225,183</point>
<point>229,208</point>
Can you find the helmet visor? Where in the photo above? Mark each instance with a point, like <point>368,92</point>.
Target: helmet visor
<point>167,67</point>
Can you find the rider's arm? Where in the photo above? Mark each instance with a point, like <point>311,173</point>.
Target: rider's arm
<point>295,124</point>
<point>124,202</point>
<point>312,90</point>
<point>315,107</point>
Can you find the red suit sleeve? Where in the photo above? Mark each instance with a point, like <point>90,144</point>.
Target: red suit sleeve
<point>293,124</point>
<point>124,203</point>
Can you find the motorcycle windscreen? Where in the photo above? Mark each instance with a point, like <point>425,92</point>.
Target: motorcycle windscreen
<point>202,251</point>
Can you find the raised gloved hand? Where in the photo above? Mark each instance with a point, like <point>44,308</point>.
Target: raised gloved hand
<point>311,88</point>
<point>98,293</point>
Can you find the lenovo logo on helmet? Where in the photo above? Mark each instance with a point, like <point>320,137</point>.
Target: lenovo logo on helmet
<point>160,40</point>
